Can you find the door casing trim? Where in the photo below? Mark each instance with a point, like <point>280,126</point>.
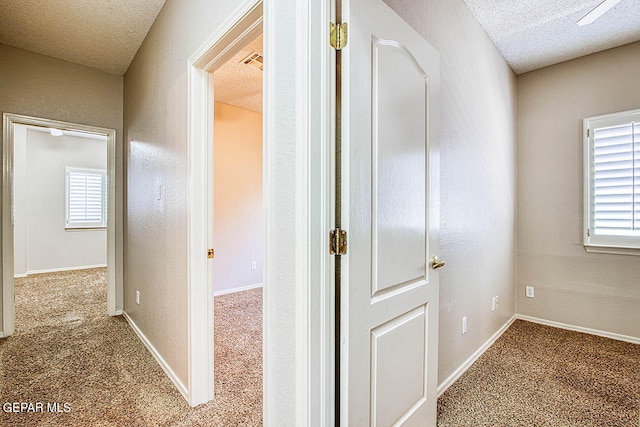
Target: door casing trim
<point>242,26</point>
<point>114,290</point>
<point>297,359</point>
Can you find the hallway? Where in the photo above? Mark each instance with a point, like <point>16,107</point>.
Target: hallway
<point>86,368</point>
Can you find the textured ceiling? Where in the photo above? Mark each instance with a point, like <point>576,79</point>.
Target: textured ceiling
<point>102,34</point>
<point>239,84</point>
<point>532,34</point>
<point>106,34</point>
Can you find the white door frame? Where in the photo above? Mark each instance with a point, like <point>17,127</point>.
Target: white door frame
<point>244,25</point>
<point>297,365</point>
<point>114,307</point>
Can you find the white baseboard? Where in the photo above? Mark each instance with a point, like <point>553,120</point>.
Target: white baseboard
<point>471,360</point>
<point>619,337</point>
<point>163,364</point>
<point>20,276</point>
<point>240,289</point>
<point>55,270</point>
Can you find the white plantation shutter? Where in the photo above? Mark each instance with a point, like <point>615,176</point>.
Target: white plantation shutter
<point>612,199</point>
<point>616,180</point>
<point>86,196</point>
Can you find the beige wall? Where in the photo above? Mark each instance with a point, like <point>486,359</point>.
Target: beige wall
<point>572,286</point>
<point>155,118</point>
<point>478,177</point>
<point>41,86</point>
<point>237,197</point>
<point>43,210</point>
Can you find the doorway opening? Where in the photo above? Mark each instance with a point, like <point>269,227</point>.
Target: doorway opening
<point>58,207</point>
<point>238,230</point>
<point>224,46</point>
<point>237,176</point>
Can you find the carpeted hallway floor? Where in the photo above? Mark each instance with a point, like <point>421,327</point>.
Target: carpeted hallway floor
<point>67,351</point>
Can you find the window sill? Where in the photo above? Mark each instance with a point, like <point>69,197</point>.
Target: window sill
<point>84,228</point>
<point>613,250</point>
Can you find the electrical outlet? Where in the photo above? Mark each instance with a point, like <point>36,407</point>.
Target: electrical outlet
<point>497,301</point>
<point>137,297</point>
<point>464,325</point>
<point>529,292</point>
<point>494,304</point>
<point>253,265</point>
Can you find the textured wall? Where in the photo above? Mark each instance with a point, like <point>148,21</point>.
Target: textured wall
<point>40,86</point>
<point>237,193</point>
<point>478,177</point>
<point>285,169</point>
<point>598,291</point>
<point>155,117</point>
<point>44,208</point>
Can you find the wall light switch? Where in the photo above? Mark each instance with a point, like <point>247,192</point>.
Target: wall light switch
<point>253,265</point>
<point>464,325</point>
<point>159,192</point>
<point>137,297</point>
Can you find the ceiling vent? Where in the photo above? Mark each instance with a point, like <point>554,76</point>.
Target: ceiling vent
<point>254,60</point>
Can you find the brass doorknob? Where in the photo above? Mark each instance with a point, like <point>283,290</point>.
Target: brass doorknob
<point>436,263</point>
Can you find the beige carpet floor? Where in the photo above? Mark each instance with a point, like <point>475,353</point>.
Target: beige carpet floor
<point>67,351</point>
<point>536,375</point>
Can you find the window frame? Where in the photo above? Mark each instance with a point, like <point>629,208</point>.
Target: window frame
<point>104,197</point>
<point>611,244</point>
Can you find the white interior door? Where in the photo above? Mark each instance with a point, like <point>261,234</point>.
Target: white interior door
<point>390,288</point>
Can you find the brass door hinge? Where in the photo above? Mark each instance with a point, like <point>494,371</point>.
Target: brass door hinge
<point>338,35</point>
<point>210,253</point>
<point>338,242</point>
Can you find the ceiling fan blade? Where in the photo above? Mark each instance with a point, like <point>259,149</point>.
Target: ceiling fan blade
<point>597,12</point>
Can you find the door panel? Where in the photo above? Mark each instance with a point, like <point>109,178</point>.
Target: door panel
<point>398,167</point>
<point>390,191</point>
<point>398,388</point>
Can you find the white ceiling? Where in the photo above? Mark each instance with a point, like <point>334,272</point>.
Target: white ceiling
<point>102,34</point>
<point>106,34</point>
<point>532,34</point>
<point>238,84</point>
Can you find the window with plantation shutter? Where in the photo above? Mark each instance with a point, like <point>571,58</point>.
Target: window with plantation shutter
<point>86,198</point>
<point>612,182</point>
